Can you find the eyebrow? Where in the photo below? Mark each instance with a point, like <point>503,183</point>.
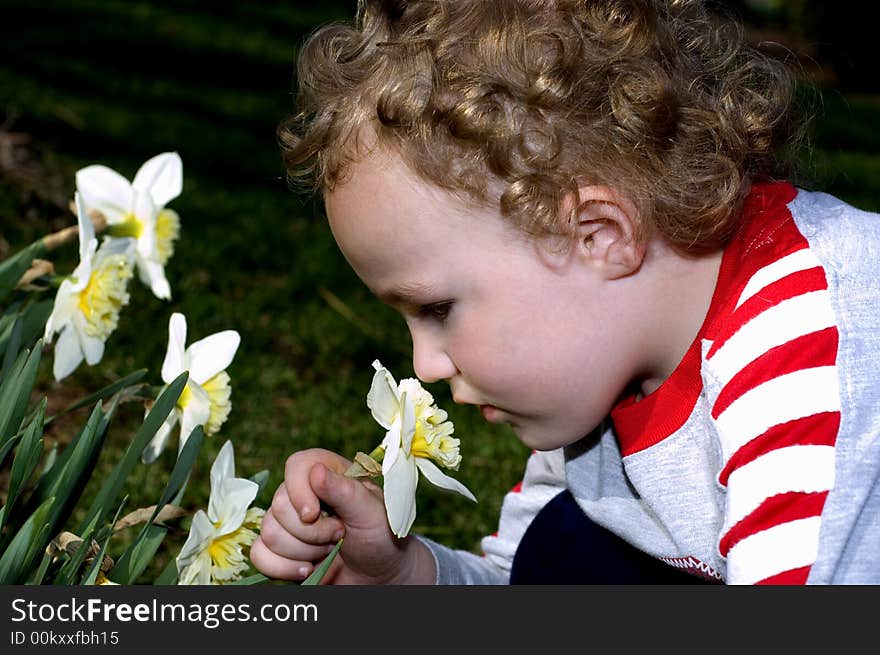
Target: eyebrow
<point>408,293</point>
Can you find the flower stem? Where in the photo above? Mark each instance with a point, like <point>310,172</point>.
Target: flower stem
<point>320,570</point>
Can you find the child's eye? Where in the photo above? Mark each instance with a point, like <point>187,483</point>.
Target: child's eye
<point>438,311</point>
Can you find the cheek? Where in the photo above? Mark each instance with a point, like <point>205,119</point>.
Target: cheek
<point>497,354</point>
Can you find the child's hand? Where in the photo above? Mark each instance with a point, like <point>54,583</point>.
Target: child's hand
<point>296,535</point>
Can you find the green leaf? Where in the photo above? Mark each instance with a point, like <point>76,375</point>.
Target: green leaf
<point>261,478</point>
<point>27,456</point>
<point>168,575</point>
<point>12,268</point>
<point>138,555</point>
<point>257,578</point>
<point>15,392</point>
<point>182,467</point>
<point>136,558</point>
<point>31,315</point>
<point>7,447</point>
<point>40,574</point>
<point>91,574</point>
<point>67,478</point>
<point>162,407</point>
<point>319,572</point>
<point>12,346</point>
<point>29,540</point>
<point>34,317</point>
<point>67,574</point>
<point>102,394</point>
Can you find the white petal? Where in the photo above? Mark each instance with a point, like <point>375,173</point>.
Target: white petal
<point>382,398</point>
<point>68,354</point>
<point>196,412</point>
<point>82,274</point>
<point>157,443</point>
<point>391,443</point>
<point>439,479</point>
<point>106,190</point>
<point>92,348</point>
<point>85,227</point>
<point>162,176</point>
<point>399,489</point>
<point>223,466</point>
<point>214,353</point>
<point>145,211</point>
<point>152,274</point>
<point>111,246</point>
<point>201,532</point>
<point>173,364</point>
<point>62,310</point>
<point>408,423</point>
<point>229,503</point>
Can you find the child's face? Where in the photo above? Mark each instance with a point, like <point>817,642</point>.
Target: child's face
<point>528,337</point>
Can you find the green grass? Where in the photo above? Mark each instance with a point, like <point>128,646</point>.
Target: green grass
<point>116,82</point>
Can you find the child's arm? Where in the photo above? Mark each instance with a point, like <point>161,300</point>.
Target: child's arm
<point>296,535</point>
<point>544,478</point>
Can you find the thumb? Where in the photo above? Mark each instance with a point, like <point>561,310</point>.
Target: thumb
<point>350,499</point>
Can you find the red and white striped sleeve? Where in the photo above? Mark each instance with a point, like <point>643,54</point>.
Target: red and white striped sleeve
<point>777,415</point>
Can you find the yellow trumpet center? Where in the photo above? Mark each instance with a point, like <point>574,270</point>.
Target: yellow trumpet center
<point>433,440</point>
<point>228,560</point>
<point>219,391</point>
<point>129,226</point>
<point>105,295</point>
<point>167,232</point>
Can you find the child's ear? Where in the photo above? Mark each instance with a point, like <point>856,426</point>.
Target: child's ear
<point>606,232</point>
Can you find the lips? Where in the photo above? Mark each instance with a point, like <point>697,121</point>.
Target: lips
<point>492,413</point>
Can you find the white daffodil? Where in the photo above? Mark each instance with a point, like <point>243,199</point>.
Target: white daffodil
<point>86,309</point>
<point>205,400</point>
<point>137,209</point>
<point>214,550</point>
<point>418,434</point>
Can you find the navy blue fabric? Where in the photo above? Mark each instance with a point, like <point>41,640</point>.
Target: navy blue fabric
<point>563,546</point>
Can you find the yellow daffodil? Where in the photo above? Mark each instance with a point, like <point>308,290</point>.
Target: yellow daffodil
<point>205,400</point>
<point>418,435</point>
<point>214,550</point>
<point>87,305</point>
<point>137,209</point>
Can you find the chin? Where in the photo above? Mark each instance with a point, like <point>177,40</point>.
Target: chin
<point>537,440</point>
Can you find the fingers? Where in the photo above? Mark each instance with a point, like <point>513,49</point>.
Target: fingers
<point>321,531</point>
<point>275,566</point>
<point>354,502</point>
<point>296,480</point>
<point>292,544</point>
<point>288,549</point>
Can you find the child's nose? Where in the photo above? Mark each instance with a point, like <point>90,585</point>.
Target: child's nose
<point>431,363</point>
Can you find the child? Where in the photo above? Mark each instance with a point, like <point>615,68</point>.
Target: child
<point>575,207</point>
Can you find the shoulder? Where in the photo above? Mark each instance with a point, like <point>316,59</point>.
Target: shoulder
<point>845,238</point>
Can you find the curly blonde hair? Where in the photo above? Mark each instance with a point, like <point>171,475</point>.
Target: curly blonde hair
<point>518,102</point>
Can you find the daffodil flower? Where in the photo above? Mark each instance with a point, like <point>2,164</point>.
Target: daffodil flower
<point>137,209</point>
<point>214,550</point>
<point>418,435</point>
<point>205,400</point>
<point>87,305</point>
<point>102,579</point>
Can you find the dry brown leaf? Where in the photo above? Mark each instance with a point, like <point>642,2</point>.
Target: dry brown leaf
<point>143,515</point>
<point>364,466</point>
